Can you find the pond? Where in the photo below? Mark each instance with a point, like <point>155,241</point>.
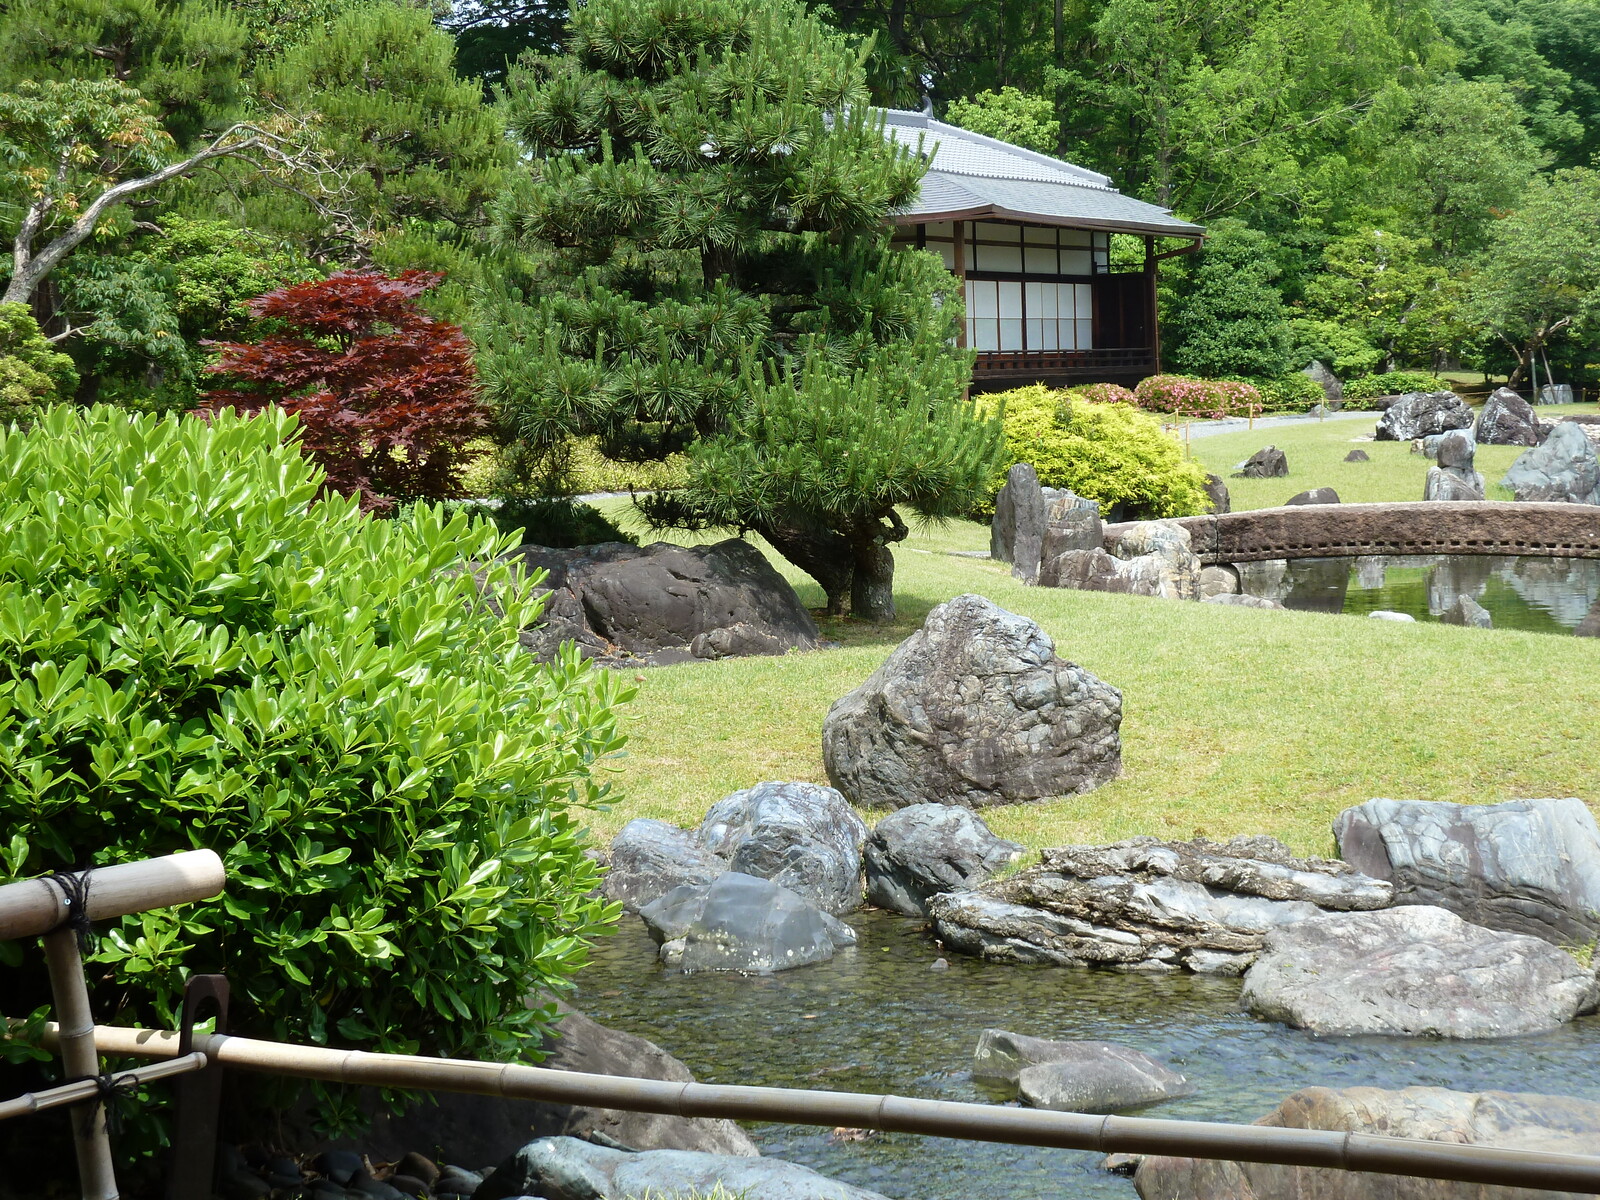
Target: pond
<point>880,1018</point>
<point>1544,595</point>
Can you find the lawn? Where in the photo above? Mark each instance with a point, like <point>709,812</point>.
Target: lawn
<point>1235,720</point>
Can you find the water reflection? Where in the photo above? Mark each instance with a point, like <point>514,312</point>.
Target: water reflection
<point>1546,595</point>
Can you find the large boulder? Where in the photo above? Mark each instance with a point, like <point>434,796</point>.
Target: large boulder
<point>1075,1076</point>
<point>1506,419</point>
<point>1417,414</point>
<point>649,858</point>
<point>803,836</point>
<point>1217,498</point>
<point>1219,580</point>
<point>1267,463</point>
<point>1508,1120</point>
<point>1148,558</point>
<point>1563,469</point>
<point>1332,389</point>
<point>1144,904</point>
<point>1526,866</point>
<point>568,1169</point>
<point>1017,529</point>
<point>741,923</point>
<point>625,604</point>
<point>1454,478</point>
<point>974,709</point>
<point>1414,971</point>
<point>917,852</point>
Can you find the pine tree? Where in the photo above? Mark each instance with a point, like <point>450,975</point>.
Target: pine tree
<point>707,203</point>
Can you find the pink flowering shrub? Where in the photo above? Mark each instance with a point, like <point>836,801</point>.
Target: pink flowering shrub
<point>1104,393</point>
<point>1190,397</point>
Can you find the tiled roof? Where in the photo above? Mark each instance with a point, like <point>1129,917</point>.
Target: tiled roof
<point>975,176</point>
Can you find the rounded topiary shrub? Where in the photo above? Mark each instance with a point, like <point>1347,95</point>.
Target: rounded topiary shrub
<point>197,652</point>
<point>1110,453</point>
<point>1393,383</point>
<point>1184,395</point>
<point>1103,393</point>
<point>1290,393</point>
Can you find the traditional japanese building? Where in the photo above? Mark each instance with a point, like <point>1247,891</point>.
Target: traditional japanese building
<point>1030,235</point>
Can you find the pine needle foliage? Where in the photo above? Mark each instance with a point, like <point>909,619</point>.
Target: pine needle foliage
<point>707,195</point>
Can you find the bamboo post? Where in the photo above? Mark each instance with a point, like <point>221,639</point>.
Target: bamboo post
<point>36,906</point>
<point>80,1061</point>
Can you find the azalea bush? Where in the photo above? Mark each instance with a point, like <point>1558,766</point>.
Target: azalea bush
<point>1184,395</point>
<point>198,652</point>
<point>1103,393</point>
<point>1108,452</point>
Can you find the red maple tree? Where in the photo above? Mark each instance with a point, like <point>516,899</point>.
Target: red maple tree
<point>387,395</point>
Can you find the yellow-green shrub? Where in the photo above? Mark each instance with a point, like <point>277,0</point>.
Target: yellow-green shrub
<point>1111,453</point>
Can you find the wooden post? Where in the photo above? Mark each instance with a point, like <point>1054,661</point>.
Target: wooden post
<point>80,1061</point>
<point>960,272</point>
<point>1154,330</point>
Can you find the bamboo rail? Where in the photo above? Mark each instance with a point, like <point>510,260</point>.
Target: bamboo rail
<point>36,906</point>
<point>938,1118</point>
<point>87,1089</point>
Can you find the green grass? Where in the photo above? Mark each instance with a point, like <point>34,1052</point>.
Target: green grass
<point>1236,721</point>
<point>1316,459</point>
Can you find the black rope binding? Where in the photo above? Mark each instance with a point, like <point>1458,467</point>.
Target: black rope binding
<point>74,887</point>
<point>111,1090</point>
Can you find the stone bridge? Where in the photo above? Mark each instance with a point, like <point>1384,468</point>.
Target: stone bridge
<point>1423,527</point>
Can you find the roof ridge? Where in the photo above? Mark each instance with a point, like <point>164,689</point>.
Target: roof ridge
<point>933,124</point>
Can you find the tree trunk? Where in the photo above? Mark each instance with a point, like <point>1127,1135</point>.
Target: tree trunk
<point>872,589</point>
<point>823,555</point>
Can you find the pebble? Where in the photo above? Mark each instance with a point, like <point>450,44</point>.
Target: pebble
<point>418,1167</point>
<point>341,1166</point>
<point>939,964</point>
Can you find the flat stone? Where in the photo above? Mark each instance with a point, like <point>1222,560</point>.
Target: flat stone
<point>920,851</point>
<point>1320,495</point>
<point>1099,1077</point>
<point>1413,971</point>
<point>1384,614</point>
<point>1526,866</point>
<point>973,709</point>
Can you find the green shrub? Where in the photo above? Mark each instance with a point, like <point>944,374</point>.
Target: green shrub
<point>1293,392</point>
<point>195,652</point>
<point>1394,383</point>
<point>591,471</point>
<point>32,373</point>
<point>1185,395</point>
<point>557,521</point>
<point>1343,349</point>
<point>1111,453</point>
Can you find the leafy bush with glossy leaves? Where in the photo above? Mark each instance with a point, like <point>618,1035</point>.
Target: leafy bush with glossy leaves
<point>1111,453</point>
<point>197,652</point>
<point>1394,383</point>
<point>1184,395</point>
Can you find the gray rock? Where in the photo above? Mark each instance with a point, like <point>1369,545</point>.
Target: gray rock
<point>1508,420</point>
<point>1386,614</point>
<point>1526,866</point>
<point>1219,580</point>
<point>1071,523</point>
<point>1414,971</point>
<point>1332,389</point>
<point>1242,601</point>
<point>1448,483</point>
<point>1321,495</point>
<point>1144,904</point>
<point>802,836</point>
<point>1464,610</point>
<point>1509,1120</point>
<point>973,709</point>
<point>917,852</point>
<point>1456,450</point>
<point>625,604</point>
<point>1158,559</point>
<point>1267,463</point>
<point>649,858</point>
<point>1017,531</point>
<point>1217,494</point>
<point>741,923</point>
<point>1417,414</point>
<point>1564,469</point>
<point>1358,455</point>
<point>1555,393</point>
<point>569,1169</point>
<point>1100,1078</point>
<point>1074,1076</point>
<point>1319,411</point>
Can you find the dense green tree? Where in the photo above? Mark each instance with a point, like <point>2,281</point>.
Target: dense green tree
<point>1010,115</point>
<point>1228,317</point>
<point>708,194</point>
<point>32,373</point>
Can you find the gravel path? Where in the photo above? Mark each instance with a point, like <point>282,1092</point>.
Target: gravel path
<point>1199,429</point>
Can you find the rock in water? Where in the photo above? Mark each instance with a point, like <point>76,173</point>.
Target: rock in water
<point>741,923</point>
<point>1509,1120</point>
<point>1526,866</point>
<point>1358,456</point>
<point>1321,495</point>
<point>1464,610</point>
<point>1149,905</point>
<point>1508,420</point>
<point>1417,414</point>
<point>1414,971</point>
<point>1564,469</point>
<point>1016,533</point>
<point>1073,1076</point>
<point>802,836</point>
<point>569,1169</point>
<point>650,858</point>
<point>624,603</point>
<point>1267,463</point>
<point>973,709</point>
<point>917,852</point>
